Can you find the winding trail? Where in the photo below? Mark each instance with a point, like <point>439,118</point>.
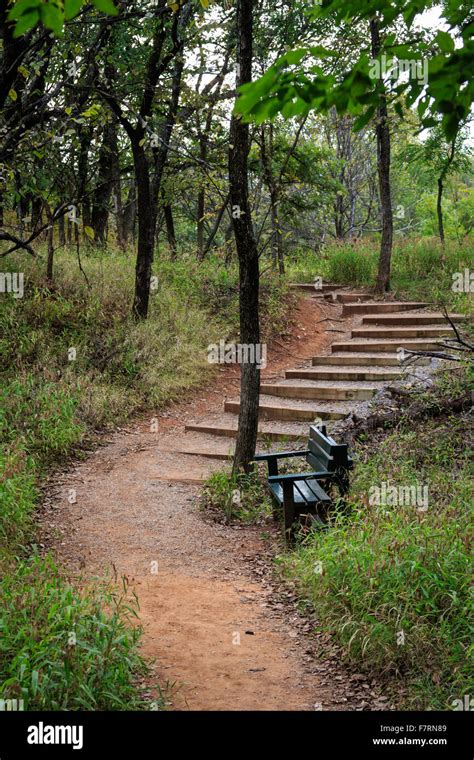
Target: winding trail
<point>224,631</point>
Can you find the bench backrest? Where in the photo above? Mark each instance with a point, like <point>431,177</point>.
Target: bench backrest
<point>325,453</point>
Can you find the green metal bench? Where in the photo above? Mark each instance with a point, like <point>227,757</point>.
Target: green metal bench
<point>302,493</point>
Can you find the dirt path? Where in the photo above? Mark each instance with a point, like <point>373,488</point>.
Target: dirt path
<point>223,633</point>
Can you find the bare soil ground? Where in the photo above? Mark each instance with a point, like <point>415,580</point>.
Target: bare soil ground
<point>223,630</point>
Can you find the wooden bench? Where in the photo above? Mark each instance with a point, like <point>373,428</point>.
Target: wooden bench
<point>302,493</point>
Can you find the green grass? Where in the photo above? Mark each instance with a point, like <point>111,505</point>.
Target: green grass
<point>236,496</point>
<point>61,649</point>
<point>418,271</point>
<point>392,569</point>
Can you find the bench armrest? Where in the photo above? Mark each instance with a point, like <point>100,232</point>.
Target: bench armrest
<point>272,459</point>
<point>280,455</point>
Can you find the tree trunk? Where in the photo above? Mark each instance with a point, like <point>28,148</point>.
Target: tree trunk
<point>129,215</point>
<point>201,207</point>
<point>278,257</point>
<point>170,232</point>
<point>382,131</point>
<point>439,211</point>
<point>229,238</point>
<point>50,239</point>
<point>146,233</point>
<point>106,181</point>
<point>85,139</point>
<point>246,249</point>
<point>36,214</point>
<point>216,226</point>
<point>61,231</point>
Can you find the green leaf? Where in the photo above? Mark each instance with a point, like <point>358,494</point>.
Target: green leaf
<point>72,8</point>
<point>89,232</point>
<point>295,56</point>
<point>34,682</point>
<point>364,119</point>
<point>26,22</point>
<point>22,7</point>
<point>106,6</point>
<point>13,95</point>
<point>445,41</point>
<point>52,18</point>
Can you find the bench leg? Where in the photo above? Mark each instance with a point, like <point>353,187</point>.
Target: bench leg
<point>288,509</point>
<point>342,480</point>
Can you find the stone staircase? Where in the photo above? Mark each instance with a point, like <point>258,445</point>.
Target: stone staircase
<point>332,386</point>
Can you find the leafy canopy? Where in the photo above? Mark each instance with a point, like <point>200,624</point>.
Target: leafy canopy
<point>301,80</point>
<point>53,13</point>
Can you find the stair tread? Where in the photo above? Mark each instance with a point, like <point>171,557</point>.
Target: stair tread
<point>403,317</point>
<point>296,403</point>
<point>402,328</point>
<point>294,382</point>
<point>291,430</point>
<point>351,370</point>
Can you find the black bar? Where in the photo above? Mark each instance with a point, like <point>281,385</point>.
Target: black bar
<point>324,734</point>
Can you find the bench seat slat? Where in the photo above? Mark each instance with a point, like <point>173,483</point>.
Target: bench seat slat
<point>305,492</point>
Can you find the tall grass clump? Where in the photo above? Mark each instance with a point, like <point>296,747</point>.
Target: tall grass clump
<point>63,649</point>
<point>422,269</point>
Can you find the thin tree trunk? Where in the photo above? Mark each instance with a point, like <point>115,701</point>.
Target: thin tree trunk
<point>61,231</point>
<point>36,214</point>
<point>201,205</point>
<point>129,214</point>
<point>146,233</point>
<point>383,165</point>
<point>278,258</point>
<point>228,237</point>
<point>439,211</point>
<point>170,231</point>
<point>246,249</point>
<point>50,239</point>
<point>106,181</point>
<point>216,226</point>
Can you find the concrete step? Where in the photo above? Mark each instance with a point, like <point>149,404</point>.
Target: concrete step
<point>329,373</point>
<point>197,444</point>
<point>381,307</point>
<point>352,297</point>
<point>388,359</point>
<point>223,456</point>
<point>358,345</point>
<point>326,287</point>
<point>404,320</point>
<point>271,431</point>
<point>311,390</point>
<point>436,331</point>
<point>274,408</point>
